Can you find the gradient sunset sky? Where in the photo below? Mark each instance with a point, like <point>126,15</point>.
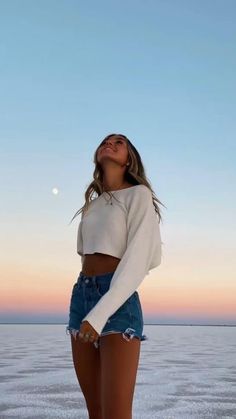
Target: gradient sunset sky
<point>161,72</point>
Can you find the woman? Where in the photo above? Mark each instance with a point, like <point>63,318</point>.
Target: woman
<point>119,242</point>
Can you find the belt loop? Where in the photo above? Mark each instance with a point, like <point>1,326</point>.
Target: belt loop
<point>94,279</point>
<point>80,277</point>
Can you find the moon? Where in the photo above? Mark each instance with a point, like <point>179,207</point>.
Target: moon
<point>55,191</point>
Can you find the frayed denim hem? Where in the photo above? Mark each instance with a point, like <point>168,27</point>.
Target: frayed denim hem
<point>128,334</point>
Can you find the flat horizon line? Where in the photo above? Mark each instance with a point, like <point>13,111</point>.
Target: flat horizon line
<point>145,324</point>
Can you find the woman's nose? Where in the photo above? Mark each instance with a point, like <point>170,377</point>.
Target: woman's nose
<point>109,144</point>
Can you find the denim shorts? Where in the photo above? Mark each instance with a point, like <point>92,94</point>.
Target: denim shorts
<point>87,291</point>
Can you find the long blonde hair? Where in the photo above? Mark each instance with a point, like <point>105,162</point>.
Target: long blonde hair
<point>135,174</point>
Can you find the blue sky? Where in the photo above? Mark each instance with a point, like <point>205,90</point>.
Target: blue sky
<point>160,72</point>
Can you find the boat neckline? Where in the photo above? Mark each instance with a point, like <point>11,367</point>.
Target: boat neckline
<point>124,189</point>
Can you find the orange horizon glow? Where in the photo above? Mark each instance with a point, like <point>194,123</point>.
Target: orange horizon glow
<point>157,298</point>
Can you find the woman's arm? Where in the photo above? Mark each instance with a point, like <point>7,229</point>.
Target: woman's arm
<point>143,253</point>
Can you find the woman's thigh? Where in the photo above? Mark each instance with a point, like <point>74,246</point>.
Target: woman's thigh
<point>119,364</point>
<point>86,360</point>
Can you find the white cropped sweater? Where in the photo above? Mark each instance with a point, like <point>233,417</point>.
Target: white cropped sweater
<point>128,229</point>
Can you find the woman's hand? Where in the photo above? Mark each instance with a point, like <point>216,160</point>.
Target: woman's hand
<point>87,329</point>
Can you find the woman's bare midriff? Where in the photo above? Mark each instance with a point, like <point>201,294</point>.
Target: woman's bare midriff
<point>99,264</point>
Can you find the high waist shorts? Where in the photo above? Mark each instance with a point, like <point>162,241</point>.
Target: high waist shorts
<point>87,291</point>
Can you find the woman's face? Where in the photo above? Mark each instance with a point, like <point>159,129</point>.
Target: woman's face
<point>113,148</point>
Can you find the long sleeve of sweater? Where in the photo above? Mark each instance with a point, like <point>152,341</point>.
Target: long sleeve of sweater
<point>143,252</point>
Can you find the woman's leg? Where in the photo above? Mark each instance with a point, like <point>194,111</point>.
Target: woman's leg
<point>86,359</point>
<point>119,364</point>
